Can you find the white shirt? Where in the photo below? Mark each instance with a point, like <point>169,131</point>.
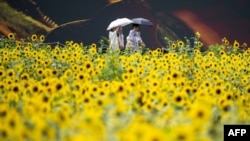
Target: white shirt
<point>116,40</point>
<point>113,38</point>
<point>135,38</point>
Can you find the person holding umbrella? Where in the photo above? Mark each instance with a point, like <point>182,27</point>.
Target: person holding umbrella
<point>116,38</point>
<point>134,40</point>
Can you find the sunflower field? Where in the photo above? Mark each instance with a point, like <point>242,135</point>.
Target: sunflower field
<point>77,92</point>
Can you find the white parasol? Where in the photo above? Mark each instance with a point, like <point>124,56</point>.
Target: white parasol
<point>119,22</point>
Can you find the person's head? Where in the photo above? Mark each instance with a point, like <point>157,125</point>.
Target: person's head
<point>117,28</point>
<point>120,29</point>
<point>135,26</point>
<point>113,29</point>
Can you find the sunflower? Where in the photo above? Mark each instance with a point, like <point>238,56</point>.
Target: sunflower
<point>196,52</point>
<point>197,34</point>
<point>88,65</point>
<point>199,44</point>
<point>29,44</point>
<point>40,71</point>
<point>24,76</point>
<point>18,44</point>
<point>244,80</point>
<point>155,53</point>
<point>15,88</point>
<point>247,89</point>
<point>210,54</point>
<point>222,52</point>
<point>68,43</point>
<point>48,47</point>
<point>180,44</point>
<point>92,50</point>
<point>7,45</point>
<point>42,38</point>
<point>225,41</point>
<point>2,73</point>
<point>93,45</point>
<point>54,72</point>
<point>58,86</point>
<point>63,56</point>
<point>11,36</point>
<point>76,45</point>
<point>81,76</point>
<point>159,50</point>
<point>173,46</point>
<point>244,45</point>
<point>126,76</point>
<point>225,106</point>
<point>200,112</point>
<point>183,133</point>
<point>11,73</point>
<point>218,91</point>
<point>175,75</point>
<point>179,99</point>
<point>236,44</point>
<point>33,37</point>
<point>47,63</point>
<point>131,70</point>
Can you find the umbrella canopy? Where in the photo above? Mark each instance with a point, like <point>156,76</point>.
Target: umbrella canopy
<point>142,21</point>
<point>119,22</point>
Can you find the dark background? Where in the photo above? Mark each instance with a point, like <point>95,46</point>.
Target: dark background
<point>175,19</point>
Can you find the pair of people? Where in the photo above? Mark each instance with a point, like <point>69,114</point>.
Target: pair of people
<point>134,40</point>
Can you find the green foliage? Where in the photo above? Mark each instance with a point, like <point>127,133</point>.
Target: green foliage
<point>113,70</point>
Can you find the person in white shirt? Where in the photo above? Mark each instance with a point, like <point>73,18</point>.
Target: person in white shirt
<point>134,40</point>
<point>116,38</point>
